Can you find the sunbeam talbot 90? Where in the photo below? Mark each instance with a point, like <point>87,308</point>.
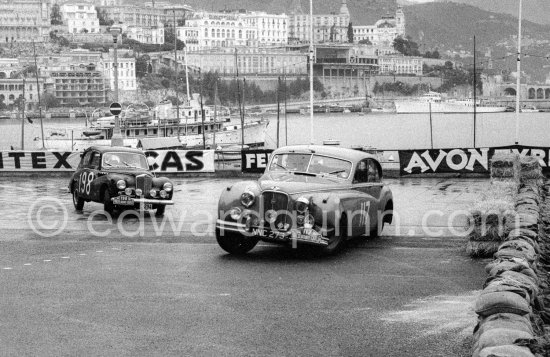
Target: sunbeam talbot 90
<point>119,177</point>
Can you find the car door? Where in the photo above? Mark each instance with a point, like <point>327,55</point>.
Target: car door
<point>88,174</point>
<point>365,212</point>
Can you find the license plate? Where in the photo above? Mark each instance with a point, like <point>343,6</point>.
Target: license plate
<point>264,233</point>
<point>123,200</point>
<point>147,206</point>
<point>309,236</point>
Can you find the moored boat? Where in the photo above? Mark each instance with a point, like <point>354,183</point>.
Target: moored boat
<point>435,103</point>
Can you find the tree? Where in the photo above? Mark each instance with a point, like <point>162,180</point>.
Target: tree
<point>55,15</point>
<point>50,101</point>
<point>406,46</point>
<point>350,33</point>
<point>142,66</point>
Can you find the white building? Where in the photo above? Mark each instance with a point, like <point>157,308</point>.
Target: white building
<point>326,28</point>
<point>126,72</point>
<point>271,29</point>
<point>80,17</point>
<point>265,61</point>
<point>211,30</point>
<point>148,35</point>
<point>399,64</point>
<point>24,21</point>
<point>384,31</point>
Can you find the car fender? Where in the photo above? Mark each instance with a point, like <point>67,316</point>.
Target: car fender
<point>231,196</point>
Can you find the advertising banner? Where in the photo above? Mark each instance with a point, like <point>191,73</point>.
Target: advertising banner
<point>22,161</point>
<point>255,161</point>
<point>159,161</point>
<point>181,160</point>
<point>464,160</point>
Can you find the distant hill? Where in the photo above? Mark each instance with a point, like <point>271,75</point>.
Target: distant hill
<point>442,24</point>
<point>533,10</point>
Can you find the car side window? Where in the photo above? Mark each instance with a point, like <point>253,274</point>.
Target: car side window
<point>94,162</point>
<point>361,173</point>
<point>86,159</point>
<point>373,172</point>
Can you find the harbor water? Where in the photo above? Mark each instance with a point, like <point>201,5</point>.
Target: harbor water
<point>382,131</point>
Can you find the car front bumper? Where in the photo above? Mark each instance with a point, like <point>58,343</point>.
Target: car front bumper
<point>130,201</point>
<point>302,235</point>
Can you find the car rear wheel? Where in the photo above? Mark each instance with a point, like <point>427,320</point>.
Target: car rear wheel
<point>235,243</point>
<point>160,210</point>
<point>77,201</point>
<point>108,205</point>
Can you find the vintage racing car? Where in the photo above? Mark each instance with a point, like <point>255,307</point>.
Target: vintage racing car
<point>119,177</point>
<point>315,195</point>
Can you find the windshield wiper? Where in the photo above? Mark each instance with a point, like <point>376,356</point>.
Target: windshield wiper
<point>336,172</point>
<point>304,173</point>
<point>281,166</point>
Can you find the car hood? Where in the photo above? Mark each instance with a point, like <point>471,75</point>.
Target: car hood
<point>292,183</point>
<point>127,172</point>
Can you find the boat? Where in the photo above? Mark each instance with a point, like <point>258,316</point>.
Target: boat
<point>433,102</point>
<point>529,110</point>
<point>162,122</point>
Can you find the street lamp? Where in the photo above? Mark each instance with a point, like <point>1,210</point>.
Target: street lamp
<point>116,139</point>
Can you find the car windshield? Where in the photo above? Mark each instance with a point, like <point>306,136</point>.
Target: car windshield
<point>124,159</point>
<point>311,164</point>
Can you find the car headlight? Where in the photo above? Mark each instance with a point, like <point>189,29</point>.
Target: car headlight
<point>121,184</point>
<point>153,193</point>
<point>167,186</point>
<point>128,191</point>
<point>301,205</point>
<point>139,192</point>
<point>163,194</point>
<point>235,213</point>
<point>248,198</point>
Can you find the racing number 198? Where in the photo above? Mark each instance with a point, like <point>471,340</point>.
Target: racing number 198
<point>86,179</point>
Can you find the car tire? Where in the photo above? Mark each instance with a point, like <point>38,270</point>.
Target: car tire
<point>338,241</point>
<point>77,201</point>
<point>235,243</point>
<point>108,205</point>
<point>160,210</point>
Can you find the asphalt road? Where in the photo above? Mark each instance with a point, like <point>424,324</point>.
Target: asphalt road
<point>79,284</point>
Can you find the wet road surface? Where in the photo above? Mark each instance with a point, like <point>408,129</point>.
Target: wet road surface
<point>77,283</point>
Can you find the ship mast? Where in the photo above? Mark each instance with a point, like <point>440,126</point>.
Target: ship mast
<point>311,71</point>
<point>518,76</point>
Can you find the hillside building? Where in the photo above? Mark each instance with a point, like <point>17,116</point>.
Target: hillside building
<point>24,20</point>
<point>326,27</point>
<point>384,31</point>
<point>80,17</point>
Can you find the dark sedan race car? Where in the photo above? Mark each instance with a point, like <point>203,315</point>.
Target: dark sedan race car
<point>314,195</point>
<point>119,177</point>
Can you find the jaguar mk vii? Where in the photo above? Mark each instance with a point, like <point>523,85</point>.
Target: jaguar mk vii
<point>308,195</point>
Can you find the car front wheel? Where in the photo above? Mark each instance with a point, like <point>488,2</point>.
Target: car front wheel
<point>235,243</point>
<point>77,201</point>
<point>337,242</point>
<point>160,210</point>
<point>108,205</point>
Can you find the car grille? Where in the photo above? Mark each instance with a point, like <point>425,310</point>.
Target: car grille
<point>278,202</point>
<point>144,182</point>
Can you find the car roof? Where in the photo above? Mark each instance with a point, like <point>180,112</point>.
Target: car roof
<point>340,152</point>
<point>104,149</point>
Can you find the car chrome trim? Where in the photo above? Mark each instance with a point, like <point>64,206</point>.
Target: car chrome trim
<point>230,226</point>
<point>148,200</point>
